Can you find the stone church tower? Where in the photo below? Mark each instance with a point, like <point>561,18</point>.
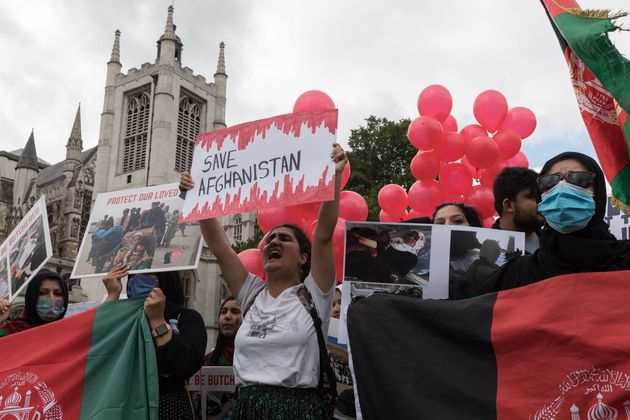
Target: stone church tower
<point>152,115</point>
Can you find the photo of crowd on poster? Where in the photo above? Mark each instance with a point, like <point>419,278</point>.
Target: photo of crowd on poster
<point>476,253</point>
<point>27,255</point>
<point>4,277</point>
<point>389,253</point>
<point>139,228</point>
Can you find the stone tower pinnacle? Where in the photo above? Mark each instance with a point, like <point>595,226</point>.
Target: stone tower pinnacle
<point>169,29</point>
<point>115,58</point>
<point>221,62</point>
<point>169,46</point>
<point>74,146</point>
<point>28,159</point>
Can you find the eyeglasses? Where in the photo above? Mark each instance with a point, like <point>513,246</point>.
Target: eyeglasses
<point>582,179</point>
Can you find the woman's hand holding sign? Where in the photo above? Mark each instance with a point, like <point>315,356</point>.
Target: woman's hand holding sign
<point>113,282</point>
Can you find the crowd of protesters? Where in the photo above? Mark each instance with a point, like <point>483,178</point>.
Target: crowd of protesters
<point>272,332</point>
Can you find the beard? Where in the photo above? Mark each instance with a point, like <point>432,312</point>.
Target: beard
<point>526,222</point>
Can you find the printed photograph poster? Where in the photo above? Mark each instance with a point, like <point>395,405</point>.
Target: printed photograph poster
<point>390,253</point>
<point>27,248</point>
<point>455,257</point>
<point>139,227</point>
<point>474,254</point>
<point>4,272</point>
<point>274,162</point>
<point>618,221</point>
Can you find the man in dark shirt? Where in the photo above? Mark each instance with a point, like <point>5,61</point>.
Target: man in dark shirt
<point>516,200</point>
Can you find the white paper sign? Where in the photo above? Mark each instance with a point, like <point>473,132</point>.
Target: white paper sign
<point>279,161</point>
<point>25,251</point>
<point>213,379</point>
<point>139,227</point>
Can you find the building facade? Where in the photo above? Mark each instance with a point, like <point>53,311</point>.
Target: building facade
<point>150,119</point>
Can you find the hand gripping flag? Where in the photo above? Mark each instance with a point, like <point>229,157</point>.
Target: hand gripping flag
<point>99,364</point>
<point>601,80</point>
<point>557,349</point>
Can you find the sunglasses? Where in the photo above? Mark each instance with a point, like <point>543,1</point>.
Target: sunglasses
<point>582,179</point>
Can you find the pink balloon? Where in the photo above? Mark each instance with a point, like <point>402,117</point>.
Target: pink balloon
<point>425,166</point>
<point>452,197</point>
<point>482,152</point>
<point>488,222</point>
<point>345,176</point>
<point>456,178</point>
<point>488,175</point>
<point>472,131</point>
<point>490,109</point>
<point>308,211</point>
<point>424,133</point>
<point>270,218</point>
<point>509,143</point>
<point>435,101</point>
<point>251,259</point>
<point>449,125</point>
<point>474,171</point>
<point>451,148</point>
<point>519,160</point>
<point>482,199</point>
<point>313,100</point>
<point>425,195</point>
<point>393,199</point>
<point>385,217</point>
<point>352,206</point>
<point>520,119</point>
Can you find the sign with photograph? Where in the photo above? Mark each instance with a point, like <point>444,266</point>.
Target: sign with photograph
<point>274,162</point>
<point>618,221</point>
<point>139,227</point>
<point>25,251</point>
<point>420,261</point>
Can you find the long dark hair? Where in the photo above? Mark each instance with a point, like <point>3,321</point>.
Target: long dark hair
<point>305,247</point>
<point>470,213</point>
<point>220,344</point>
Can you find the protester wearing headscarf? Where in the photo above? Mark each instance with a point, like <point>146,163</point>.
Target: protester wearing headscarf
<point>179,334</point>
<point>45,301</point>
<point>575,238</point>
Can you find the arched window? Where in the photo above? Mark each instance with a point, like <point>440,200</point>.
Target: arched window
<point>188,127</point>
<point>136,132</point>
<point>238,229</point>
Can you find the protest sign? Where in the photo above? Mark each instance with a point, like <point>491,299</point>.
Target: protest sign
<point>4,273</point>
<point>139,227</point>
<point>619,222</point>
<point>279,161</point>
<point>218,384</point>
<point>420,261</point>
<point>26,250</point>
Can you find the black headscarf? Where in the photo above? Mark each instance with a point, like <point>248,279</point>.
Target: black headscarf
<point>32,295</point>
<point>172,286</point>
<point>592,248</point>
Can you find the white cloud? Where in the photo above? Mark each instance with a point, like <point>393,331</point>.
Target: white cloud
<point>371,57</point>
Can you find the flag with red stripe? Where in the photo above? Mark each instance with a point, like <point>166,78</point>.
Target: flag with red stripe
<point>600,75</point>
<point>99,364</point>
<point>556,349</point>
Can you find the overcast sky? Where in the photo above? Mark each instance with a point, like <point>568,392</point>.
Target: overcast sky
<point>372,57</point>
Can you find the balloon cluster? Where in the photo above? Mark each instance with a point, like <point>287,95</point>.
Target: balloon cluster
<point>454,165</point>
<point>352,206</point>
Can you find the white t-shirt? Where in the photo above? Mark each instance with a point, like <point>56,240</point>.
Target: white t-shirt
<point>277,343</point>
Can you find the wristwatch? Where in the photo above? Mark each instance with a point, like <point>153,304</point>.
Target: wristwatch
<point>160,330</point>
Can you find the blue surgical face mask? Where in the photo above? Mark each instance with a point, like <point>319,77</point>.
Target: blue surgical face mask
<point>49,310</point>
<point>567,207</point>
<point>140,285</point>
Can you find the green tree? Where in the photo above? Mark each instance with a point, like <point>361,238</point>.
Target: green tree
<point>380,154</point>
<point>252,242</point>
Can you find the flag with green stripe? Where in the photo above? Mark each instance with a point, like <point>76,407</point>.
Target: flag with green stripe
<point>600,75</point>
<point>99,364</point>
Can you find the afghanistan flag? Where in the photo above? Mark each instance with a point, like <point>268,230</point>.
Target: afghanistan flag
<point>99,364</point>
<point>601,81</point>
<point>556,349</point>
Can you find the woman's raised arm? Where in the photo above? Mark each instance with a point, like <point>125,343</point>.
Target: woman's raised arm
<point>234,272</point>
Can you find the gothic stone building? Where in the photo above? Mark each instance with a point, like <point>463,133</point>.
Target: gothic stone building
<point>151,117</point>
